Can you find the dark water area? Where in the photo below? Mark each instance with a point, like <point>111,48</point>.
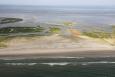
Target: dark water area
<point>97,70</point>
<point>58,67</point>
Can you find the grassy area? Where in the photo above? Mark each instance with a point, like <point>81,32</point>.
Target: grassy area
<point>97,34</point>
<point>113,31</point>
<point>3,40</point>
<point>8,30</point>
<point>2,45</point>
<point>10,20</point>
<point>6,33</point>
<point>69,23</point>
<point>108,37</point>
<point>54,30</point>
<point>101,34</point>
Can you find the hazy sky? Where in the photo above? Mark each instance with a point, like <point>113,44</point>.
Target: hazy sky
<point>60,2</point>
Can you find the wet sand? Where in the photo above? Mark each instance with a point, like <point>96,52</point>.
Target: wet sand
<point>85,53</point>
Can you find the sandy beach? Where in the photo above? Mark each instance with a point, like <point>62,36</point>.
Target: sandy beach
<point>56,45</point>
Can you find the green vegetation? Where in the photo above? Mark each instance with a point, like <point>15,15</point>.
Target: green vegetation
<point>8,33</point>
<point>2,45</point>
<point>8,30</point>
<point>55,30</point>
<point>97,34</point>
<point>101,34</point>
<point>4,32</point>
<point>3,40</point>
<point>113,31</point>
<point>68,23</point>
<point>10,20</point>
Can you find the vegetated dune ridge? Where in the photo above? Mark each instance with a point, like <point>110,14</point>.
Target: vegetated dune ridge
<point>54,44</point>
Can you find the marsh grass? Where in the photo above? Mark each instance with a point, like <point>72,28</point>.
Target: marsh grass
<point>10,20</point>
<point>113,31</point>
<point>97,34</point>
<point>2,45</point>
<point>54,30</point>
<point>8,30</point>
<point>3,40</point>
<point>108,37</point>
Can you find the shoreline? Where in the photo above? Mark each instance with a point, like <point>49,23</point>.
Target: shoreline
<point>23,47</point>
<point>61,52</point>
<point>57,45</point>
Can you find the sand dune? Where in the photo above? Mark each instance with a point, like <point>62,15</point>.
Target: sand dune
<point>53,44</point>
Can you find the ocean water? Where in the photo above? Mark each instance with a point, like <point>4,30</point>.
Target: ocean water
<point>58,67</point>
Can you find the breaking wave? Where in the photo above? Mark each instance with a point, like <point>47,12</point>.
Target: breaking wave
<point>62,63</point>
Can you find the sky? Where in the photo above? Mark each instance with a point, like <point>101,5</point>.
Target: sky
<point>60,2</point>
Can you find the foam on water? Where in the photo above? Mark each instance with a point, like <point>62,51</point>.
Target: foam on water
<point>62,63</point>
<point>18,64</point>
<point>98,62</point>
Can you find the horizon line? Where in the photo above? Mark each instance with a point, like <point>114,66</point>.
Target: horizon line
<point>60,5</point>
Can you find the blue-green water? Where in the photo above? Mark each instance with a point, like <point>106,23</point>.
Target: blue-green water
<point>58,67</point>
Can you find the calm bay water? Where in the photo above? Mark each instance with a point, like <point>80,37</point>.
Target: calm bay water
<point>102,17</point>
